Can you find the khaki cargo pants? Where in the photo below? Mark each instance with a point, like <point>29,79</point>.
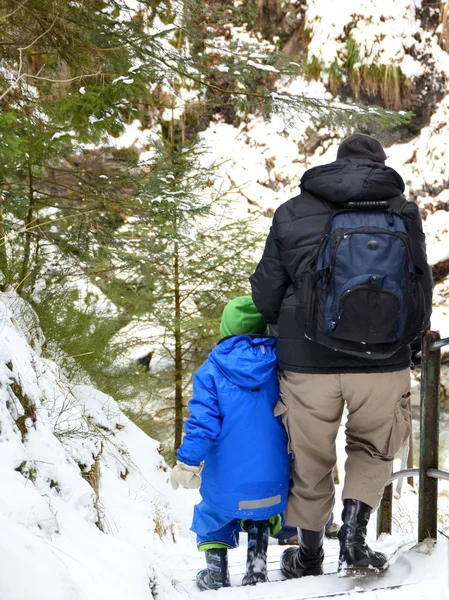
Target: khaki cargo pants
<point>379,422</point>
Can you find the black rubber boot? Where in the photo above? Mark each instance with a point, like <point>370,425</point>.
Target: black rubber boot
<point>216,574</point>
<point>307,559</point>
<point>356,557</point>
<point>256,562</point>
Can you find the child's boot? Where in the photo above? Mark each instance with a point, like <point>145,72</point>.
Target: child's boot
<point>256,563</point>
<point>216,573</point>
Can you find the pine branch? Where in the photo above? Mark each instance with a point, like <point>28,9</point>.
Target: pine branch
<point>21,50</point>
<point>69,80</point>
<point>11,14</point>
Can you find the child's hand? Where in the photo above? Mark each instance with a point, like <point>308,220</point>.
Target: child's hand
<point>187,476</point>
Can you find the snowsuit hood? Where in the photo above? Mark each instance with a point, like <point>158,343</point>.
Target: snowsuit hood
<point>352,180</point>
<point>241,316</point>
<point>245,360</point>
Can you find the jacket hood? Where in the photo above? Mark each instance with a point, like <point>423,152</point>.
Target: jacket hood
<point>247,361</point>
<point>352,179</point>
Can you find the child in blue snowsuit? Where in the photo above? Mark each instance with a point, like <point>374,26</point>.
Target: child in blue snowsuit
<point>233,430</point>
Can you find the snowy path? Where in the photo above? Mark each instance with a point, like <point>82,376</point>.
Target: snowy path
<point>422,575</point>
<point>416,573</point>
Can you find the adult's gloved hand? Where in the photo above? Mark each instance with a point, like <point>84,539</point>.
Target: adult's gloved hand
<point>187,476</point>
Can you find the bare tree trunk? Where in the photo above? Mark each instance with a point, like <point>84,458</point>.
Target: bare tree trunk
<point>4,267</point>
<point>445,26</point>
<point>270,16</point>
<point>179,397</point>
<point>28,220</point>
<point>33,277</point>
<point>195,23</point>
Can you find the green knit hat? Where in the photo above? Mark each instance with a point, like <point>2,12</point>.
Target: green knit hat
<point>241,316</point>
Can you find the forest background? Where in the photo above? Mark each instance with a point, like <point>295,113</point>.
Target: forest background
<point>145,144</point>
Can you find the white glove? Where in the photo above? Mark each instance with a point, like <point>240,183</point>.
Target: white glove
<point>187,476</point>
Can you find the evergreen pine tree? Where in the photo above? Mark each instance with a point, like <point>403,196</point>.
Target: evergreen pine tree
<point>193,256</point>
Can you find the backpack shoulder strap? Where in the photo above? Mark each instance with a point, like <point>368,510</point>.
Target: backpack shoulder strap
<point>397,204</point>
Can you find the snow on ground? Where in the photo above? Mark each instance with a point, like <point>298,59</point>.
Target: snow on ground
<point>370,25</point>
<point>423,162</point>
<point>263,161</point>
<point>417,572</point>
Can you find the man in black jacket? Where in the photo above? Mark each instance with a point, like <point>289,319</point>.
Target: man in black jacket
<point>317,380</point>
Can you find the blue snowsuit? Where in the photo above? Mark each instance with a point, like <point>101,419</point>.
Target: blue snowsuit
<point>232,428</point>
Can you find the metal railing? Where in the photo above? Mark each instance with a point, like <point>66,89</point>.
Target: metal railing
<point>428,471</point>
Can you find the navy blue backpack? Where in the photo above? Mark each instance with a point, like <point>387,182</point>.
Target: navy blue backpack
<point>364,295</point>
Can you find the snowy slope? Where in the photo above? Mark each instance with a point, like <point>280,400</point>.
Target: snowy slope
<point>84,500</point>
<point>385,33</point>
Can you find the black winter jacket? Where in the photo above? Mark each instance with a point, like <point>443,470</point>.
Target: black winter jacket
<point>296,232</point>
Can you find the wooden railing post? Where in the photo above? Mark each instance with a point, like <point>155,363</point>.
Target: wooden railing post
<point>430,417</point>
<point>385,511</point>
